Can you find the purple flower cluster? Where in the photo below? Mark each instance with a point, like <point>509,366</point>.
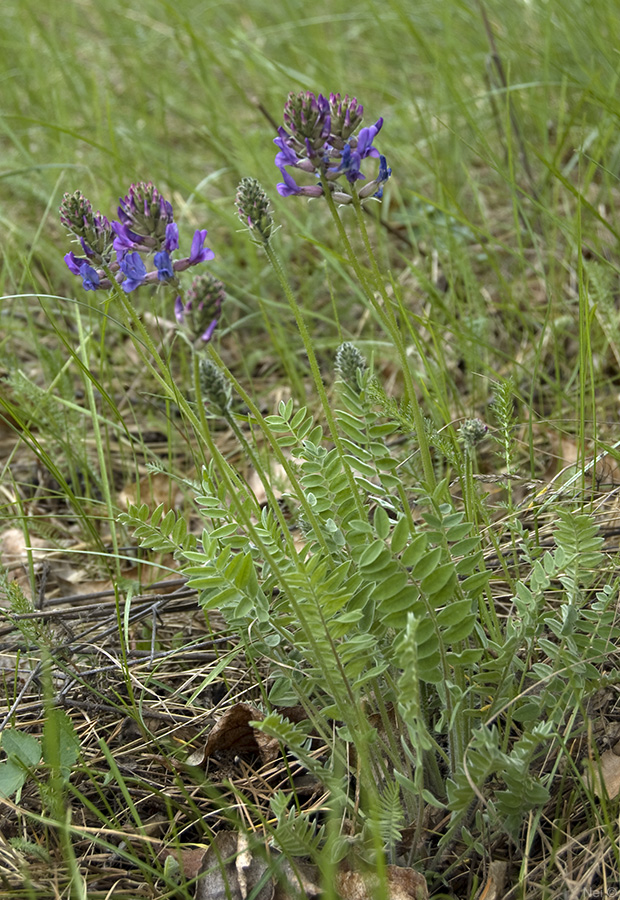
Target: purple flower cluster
<point>145,228</point>
<point>319,138</point>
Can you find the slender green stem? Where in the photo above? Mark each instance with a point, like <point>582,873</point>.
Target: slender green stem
<point>156,366</point>
<point>316,374</point>
<point>264,477</point>
<point>285,352</point>
<point>101,456</point>
<point>276,450</point>
<point>397,337</point>
<point>386,316</point>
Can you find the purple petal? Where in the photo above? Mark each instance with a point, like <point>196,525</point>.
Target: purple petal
<point>179,309</point>
<point>322,104</point>
<point>172,237</point>
<point>208,334</point>
<point>384,170</point>
<point>289,187</point>
<point>365,139</point>
<point>350,164</point>
<point>125,239</point>
<point>132,266</point>
<point>163,262</point>
<point>375,188</point>
<point>74,262</point>
<point>86,248</point>
<point>286,156</point>
<point>198,253</point>
<point>90,277</point>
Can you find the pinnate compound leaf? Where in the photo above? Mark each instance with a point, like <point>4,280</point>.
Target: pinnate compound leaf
<point>381,521</point>
<point>457,532</point>
<point>374,556</point>
<point>465,547</point>
<point>361,467</point>
<point>391,587</point>
<point>460,630</point>
<point>454,613</point>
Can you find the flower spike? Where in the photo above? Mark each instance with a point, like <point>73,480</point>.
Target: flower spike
<point>121,250</point>
<point>319,137</point>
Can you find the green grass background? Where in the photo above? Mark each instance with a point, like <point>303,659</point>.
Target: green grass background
<point>97,95</point>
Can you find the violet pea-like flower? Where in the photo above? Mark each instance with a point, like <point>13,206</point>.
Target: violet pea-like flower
<point>199,253</point>
<point>375,188</point>
<point>286,156</point>
<point>162,260</point>
<point>208,334</point>
<point>132,266</point>
<point>366,137</point>
<point>171,241</point>
<point>74,262</point>
<point>87,250</point>
<point>350,164</point>
<point>82,267</point>
<point>179,310</point>
<point>289,187</point>
<point>90,277</point>
<point>125,239</point>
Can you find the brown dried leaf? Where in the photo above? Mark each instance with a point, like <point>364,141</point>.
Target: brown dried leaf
<point>230,863</point>
<point>493,889</point>
<point>189,858</point>
<point>609,771</point>
<point>299,883</point>
<point>218,877</point>
<point>233,733</point>
<point>14,555</point>
<point>278,481</point>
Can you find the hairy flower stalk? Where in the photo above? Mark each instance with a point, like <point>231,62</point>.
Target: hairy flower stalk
<point>144,232</point>
<point>471,433</point>
<point>319,138</point>
<point>308,346</point>
<point>202,308</point>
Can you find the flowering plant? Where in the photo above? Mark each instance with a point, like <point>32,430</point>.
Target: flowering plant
<point>319,138</point>
<point>145,227</point>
